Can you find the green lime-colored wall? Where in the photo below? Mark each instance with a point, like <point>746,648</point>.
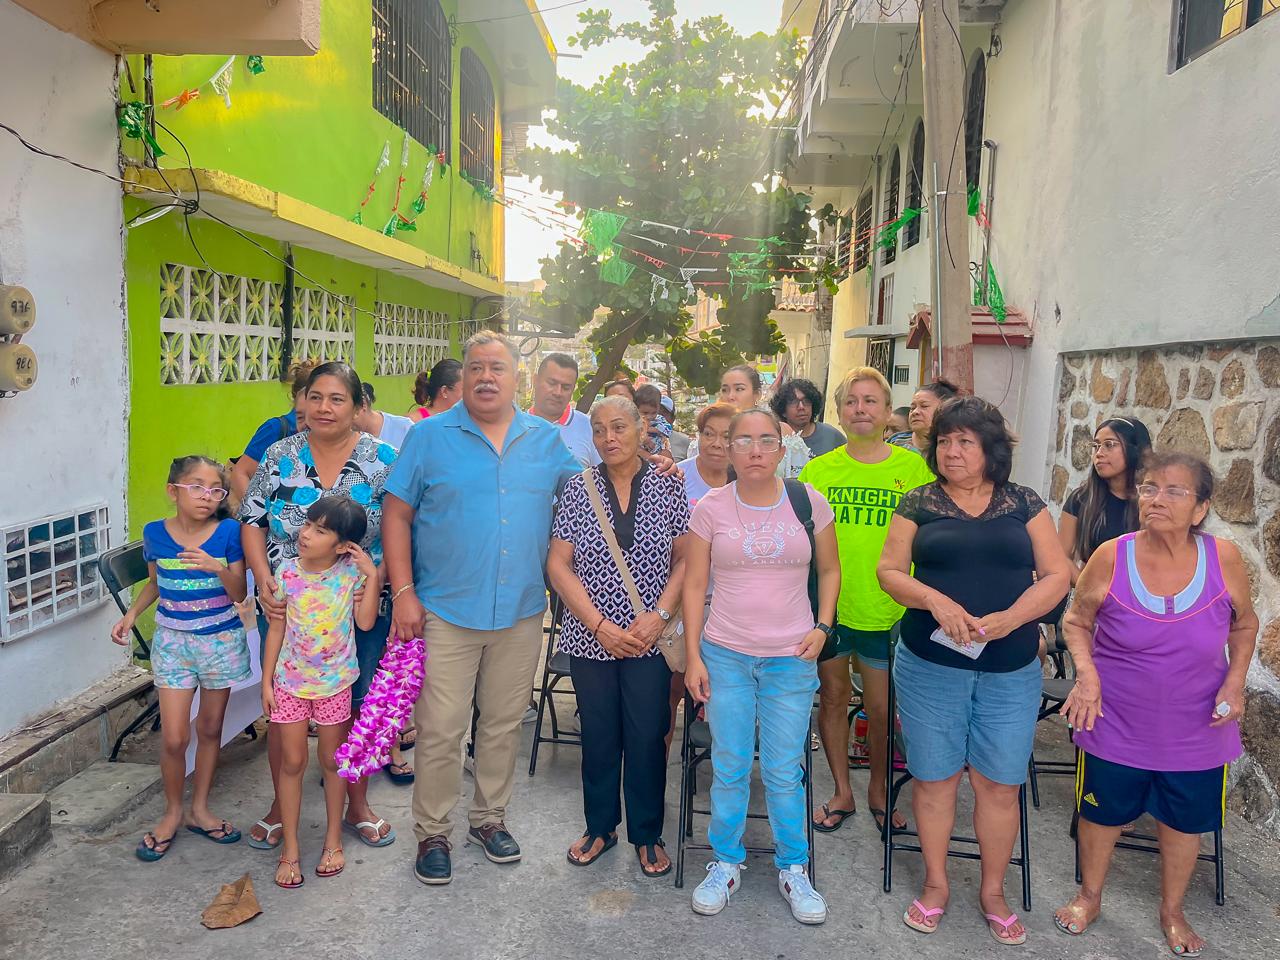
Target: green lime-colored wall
<point>217,419</point>
<point>307,127</point>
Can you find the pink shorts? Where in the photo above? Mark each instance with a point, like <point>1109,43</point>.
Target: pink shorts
<point>325,711</point>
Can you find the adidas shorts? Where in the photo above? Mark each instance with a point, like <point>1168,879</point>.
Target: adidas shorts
<point>1112,795</point>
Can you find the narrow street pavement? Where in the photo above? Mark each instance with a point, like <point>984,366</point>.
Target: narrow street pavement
<point>88,897</point>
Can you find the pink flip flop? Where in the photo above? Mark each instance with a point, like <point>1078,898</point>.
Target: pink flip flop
<point>928,913</point>
<point>1005,925</point>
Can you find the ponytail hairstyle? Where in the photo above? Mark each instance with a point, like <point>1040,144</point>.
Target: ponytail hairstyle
<point>1133,433</point>
<point>446,373</point>
<point>182,466</point>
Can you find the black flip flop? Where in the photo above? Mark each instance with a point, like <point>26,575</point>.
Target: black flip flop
<point>610,842</point>
<point>881,818</point>
<point>828,812</point>
<point>650,849</point>
<point>229,834</point>
<point>400,778</point>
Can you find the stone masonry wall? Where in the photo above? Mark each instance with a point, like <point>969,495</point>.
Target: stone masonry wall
<point>1222,402</point>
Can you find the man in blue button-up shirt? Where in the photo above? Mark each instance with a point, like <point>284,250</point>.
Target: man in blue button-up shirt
<point>465,529</point>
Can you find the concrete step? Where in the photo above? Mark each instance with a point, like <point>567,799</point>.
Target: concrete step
<point>102,794</point>
<point>24,826</point>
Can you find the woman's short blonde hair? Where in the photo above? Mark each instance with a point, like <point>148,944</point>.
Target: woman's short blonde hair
<point>862,373</point>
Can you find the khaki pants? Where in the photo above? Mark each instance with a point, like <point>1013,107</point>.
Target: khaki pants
<point>495,668</point>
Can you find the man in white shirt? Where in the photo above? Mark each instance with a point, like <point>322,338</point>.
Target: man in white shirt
<point>552,400</point>
<point>387,427</point>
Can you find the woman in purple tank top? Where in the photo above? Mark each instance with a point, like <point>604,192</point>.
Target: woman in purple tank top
<point>1161,630</point>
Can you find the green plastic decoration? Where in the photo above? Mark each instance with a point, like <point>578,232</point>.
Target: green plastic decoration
<point>889,233</point>
<point>419,203</point>
<point>599,229</point>
<point>995,296</point>
<point>975,200</point>
<point>615,270</point>
<point>255,64</point>
<point>133,120</point>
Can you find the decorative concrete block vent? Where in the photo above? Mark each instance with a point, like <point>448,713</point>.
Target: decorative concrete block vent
<point>1222,402</point>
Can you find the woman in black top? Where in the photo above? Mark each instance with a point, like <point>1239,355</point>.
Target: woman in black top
<point>987,565</point>
<point>620,678</point>
<point>1105,506</point>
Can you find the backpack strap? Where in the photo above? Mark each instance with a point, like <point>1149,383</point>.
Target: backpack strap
<point>801,504</point>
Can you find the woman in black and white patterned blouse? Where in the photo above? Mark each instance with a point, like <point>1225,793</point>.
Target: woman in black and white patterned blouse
<point>621,679</point>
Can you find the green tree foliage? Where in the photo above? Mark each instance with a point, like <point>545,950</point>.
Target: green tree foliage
<point>686,135</point>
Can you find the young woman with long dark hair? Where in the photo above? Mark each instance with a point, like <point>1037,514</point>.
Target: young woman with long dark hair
<point>1105,506</point>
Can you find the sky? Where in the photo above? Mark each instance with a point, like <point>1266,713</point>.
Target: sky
<point>527,241</point>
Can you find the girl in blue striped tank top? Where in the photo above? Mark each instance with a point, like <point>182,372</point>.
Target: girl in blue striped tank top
<point>197,573</point>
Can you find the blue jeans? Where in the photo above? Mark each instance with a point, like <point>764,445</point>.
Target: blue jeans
<point>777,693</point>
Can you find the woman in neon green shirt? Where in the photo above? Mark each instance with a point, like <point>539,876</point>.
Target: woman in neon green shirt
<point>863,482</point>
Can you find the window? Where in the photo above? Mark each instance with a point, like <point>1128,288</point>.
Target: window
<point>1203,24</point>
<point>974,107</point>
<point>901,374</point>
<point>51,569</point>
<point>844,237</point>
<point>412,56</point>
<point>407,340</point>
<point>884,301</point>
<point>891,203</point>
<point>476,103</point>
<point>862,232</point>
<point>880,355</point>
<point>915,184</point>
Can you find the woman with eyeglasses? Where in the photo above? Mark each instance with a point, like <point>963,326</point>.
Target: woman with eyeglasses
<point>754,660</point>
<point>1162,630</point>
<point>741,388</point>
<point>1105,506</point>
<point>797,403</point>
<point>709,467</point>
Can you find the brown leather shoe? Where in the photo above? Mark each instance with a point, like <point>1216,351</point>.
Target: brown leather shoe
<point>433,865</point>
<point>498,844</point>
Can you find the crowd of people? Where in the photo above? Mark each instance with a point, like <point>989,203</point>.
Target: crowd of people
<point>765,559</point>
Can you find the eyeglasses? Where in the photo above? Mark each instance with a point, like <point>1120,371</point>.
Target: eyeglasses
<point>1107,445</point>
<point>1149,491</point>
<point>715,436</point>
<point>767,444</point>
<point>216,494</point>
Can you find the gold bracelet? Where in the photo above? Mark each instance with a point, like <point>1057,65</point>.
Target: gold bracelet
<point>395,596</point>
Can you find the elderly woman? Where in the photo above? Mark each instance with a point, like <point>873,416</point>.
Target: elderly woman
<point>620,677</point>
<point>754,661</point>
<point>1161,630</point>
<point>976,561</point>
<point>925,403</point>
<point>330,458</point>
<point>709,468</point>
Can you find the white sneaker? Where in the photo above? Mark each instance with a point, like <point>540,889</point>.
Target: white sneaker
<point>714,892</point>
<point>807,904</point>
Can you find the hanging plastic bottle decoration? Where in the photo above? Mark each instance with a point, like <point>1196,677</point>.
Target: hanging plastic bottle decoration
<point>133,118</point>
<point>255,64</point>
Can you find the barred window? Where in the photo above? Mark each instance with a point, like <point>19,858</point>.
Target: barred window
<point>476,105</point>
<point>412,56</point>
<point>915,184</point>
<point>1200,25</point>
<point>50,569</point>
<point>862,232</point>
<point>891,196</point>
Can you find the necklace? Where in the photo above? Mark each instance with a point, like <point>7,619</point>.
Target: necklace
<point>737,500</point>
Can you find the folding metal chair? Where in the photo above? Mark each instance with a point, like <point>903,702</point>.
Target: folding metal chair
<point>695,748</point>
<point>890,832</point>
<point>1053,694</point>
<point>1146,843</point>
<point>121,568</point>
<point>555,669</point>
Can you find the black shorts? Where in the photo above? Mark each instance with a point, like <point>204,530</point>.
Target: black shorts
<point>1112,795</point>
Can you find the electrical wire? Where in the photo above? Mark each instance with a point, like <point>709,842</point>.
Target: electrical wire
<point>525,13</point>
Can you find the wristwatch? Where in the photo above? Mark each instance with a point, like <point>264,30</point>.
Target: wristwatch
<point>825,629</point>
<point>664,614</point>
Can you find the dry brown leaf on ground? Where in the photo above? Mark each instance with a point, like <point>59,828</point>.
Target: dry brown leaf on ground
<point>234,904</point>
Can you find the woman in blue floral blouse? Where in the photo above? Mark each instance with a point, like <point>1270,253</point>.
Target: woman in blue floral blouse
<point>331,458</point>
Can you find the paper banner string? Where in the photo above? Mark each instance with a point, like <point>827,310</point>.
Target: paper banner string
<point>615,270</point>
<point>221,81</point>
<point>393,224</point>
<point>995,296</point>
<point>384,161</point>
<point>133,120</point>
<point>255,64</point>
<point>600,229</point>
<point>659,283</point>
<point>889,234</point>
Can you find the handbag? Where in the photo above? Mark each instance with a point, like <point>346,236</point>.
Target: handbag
<point>670,642</point>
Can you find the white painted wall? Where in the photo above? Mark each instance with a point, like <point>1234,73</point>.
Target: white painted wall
<point>60,236</point>
<point>1136,206</point>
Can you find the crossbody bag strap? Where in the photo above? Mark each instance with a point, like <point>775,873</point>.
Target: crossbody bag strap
<point>611,539</point>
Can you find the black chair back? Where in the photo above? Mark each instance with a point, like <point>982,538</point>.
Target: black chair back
<point>121,568</point>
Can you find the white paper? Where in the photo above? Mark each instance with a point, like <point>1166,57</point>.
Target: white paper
<point>970,650</point>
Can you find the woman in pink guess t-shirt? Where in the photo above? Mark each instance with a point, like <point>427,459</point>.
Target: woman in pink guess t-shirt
<point>755,659</point>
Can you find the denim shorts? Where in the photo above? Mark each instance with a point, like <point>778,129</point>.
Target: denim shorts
<point>952,717</point>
